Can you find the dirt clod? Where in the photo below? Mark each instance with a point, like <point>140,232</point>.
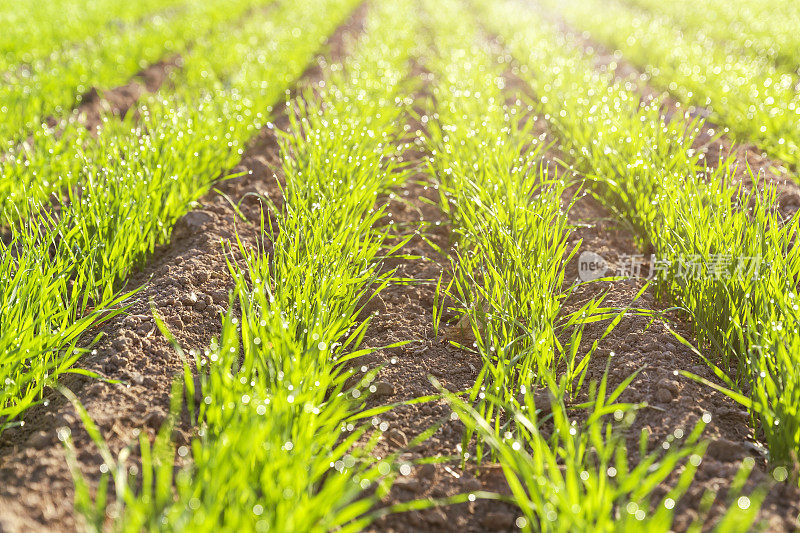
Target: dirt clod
<point>670,385</point>
<point>383,389</point>
<point>663,395</point>
<point>154,419</point>
<point>498,521</point>
<point>396,437</point>
<point>40,439</point>
<point>408,483</point>
<point>472,485</point>
<point>426,471</point>
<point>726,450</point>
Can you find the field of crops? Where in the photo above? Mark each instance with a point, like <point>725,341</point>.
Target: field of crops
<point>420,265</point>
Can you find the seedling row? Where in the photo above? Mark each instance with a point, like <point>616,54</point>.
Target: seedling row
<point>518,122</point>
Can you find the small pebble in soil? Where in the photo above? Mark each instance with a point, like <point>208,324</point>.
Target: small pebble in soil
<point>40,439</point>
<point>408,483</point>
<point>663,395</point>
<point>154,419</point>
<point>671,385</point>
<point>220,297</point>
<point>725,450</point>
<point>734,414</point>
<point>120,343</point>
<point>426,471</point>
<point>382,388</point>
<point>396,437</point>
<point>472,485</point>
<point>196,219</point>
<point>189,299</point>
<point>497,521</point>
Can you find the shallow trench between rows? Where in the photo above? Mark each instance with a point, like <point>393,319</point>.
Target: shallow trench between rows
<point>187,282</point>
<point>98,104</point>
<point>402,312</point>
<point>675,404</point>
<point>93,106</point>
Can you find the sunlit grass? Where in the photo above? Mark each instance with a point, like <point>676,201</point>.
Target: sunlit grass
<point>64,270</point>
<point>39,159</point>
<point>649,175</point>
<point>277,401</point>
<point>279,421</point>
<point>567,464</point>
<point>766,29</point>
<point>64,24</point>
<point>508,223</point>
<point>51,86</point>
<point>566,475</point>
<point>744,93</point>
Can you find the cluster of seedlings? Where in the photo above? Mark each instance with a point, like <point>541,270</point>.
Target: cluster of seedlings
<point>459,158</point>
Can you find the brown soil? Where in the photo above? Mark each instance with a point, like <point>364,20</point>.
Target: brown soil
<point>675,404</point>
<point>95,106</point>
<point>92,106</point>
<point>639,344</point>
<point>96,103</point>
<point>188,284</point>
<point>403,312</point>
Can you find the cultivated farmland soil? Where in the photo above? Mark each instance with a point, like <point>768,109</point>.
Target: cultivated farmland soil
<point>96,103</point>
<point>675,403</point>
<point>187,283</point>
<point>404,313</point>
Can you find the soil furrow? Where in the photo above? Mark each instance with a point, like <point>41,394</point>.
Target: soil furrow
<point>674,404</point>
<point>90,106</point>
<point>403,312</point>
<point>93,105</point>
<point>645,344</point>
<point>187,282</point>
<point>96,103</point>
